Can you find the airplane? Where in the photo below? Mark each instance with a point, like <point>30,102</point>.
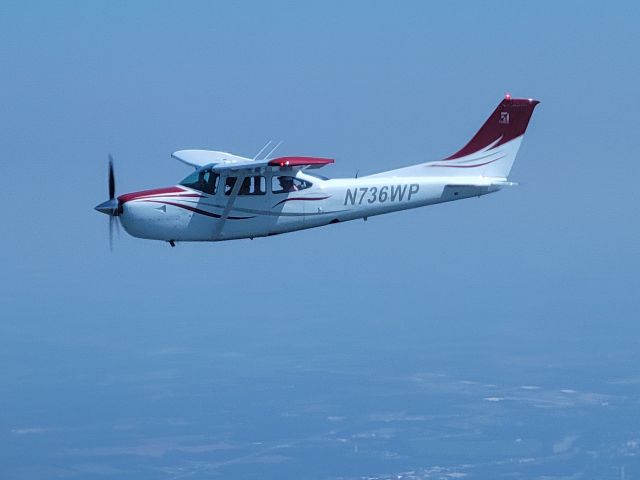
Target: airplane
<point>231,197</point>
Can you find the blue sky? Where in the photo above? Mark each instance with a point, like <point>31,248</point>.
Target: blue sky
<point>374,85</point>
<point>548,266</point>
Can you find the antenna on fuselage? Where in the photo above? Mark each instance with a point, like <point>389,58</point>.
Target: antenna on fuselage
<point>273,149</point>
<point>262,149</point>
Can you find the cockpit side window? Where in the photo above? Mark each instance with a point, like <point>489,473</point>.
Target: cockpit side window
<point>285,184</point>
<point>202,180</point>
<point>229,184</point>
<point>211,183</point>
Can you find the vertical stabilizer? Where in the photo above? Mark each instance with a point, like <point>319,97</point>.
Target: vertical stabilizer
<point>492,150</point>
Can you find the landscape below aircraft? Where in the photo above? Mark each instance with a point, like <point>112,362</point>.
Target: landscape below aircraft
<point>230,197</point>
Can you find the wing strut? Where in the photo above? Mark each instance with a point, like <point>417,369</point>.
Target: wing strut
<point>273,149</point>
<point>262,149</point>
<point>227,209</point>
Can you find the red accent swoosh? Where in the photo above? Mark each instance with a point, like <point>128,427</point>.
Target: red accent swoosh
<point>311,199</point>
<point>197,210</point>
<point>466,166</point>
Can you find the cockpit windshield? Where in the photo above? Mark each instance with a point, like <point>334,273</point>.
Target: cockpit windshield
<point>202,180</point>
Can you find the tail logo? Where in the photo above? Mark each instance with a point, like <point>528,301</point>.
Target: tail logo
<point>504,118</point>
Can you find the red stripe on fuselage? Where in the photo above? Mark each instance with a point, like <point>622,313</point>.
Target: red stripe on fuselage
<point>127,197</point>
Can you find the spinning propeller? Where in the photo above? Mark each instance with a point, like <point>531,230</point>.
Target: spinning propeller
<point>111,207</point>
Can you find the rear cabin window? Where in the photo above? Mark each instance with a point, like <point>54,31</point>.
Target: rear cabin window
<point>284,184</point>
<point>255,185</point>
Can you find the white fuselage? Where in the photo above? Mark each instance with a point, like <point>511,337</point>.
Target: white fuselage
<point>185,214</point>
<point>229,196</point>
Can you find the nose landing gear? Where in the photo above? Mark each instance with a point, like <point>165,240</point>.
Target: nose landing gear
<point>172,243</point>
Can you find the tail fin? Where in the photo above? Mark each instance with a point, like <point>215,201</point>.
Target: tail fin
<point>491,151</point>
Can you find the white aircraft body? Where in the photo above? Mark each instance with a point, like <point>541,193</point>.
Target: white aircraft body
<point>231,197</point>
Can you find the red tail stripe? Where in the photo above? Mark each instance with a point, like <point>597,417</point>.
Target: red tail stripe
<point>508,121</point>
<point>466,166</point>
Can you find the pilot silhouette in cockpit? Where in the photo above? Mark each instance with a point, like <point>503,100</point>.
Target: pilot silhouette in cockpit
<point>287,184</point>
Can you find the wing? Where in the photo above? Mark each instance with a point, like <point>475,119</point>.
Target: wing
<point>300,162</point>
<point>222,161</point>
<point>201,158</point>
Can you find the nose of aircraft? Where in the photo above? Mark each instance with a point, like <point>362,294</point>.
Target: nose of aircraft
<point>130,213</point>
<point>140,220</point>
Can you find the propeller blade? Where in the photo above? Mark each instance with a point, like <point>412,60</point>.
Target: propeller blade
<point>112,180</point>
<point>111,219</point>
<point>111,207</point>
